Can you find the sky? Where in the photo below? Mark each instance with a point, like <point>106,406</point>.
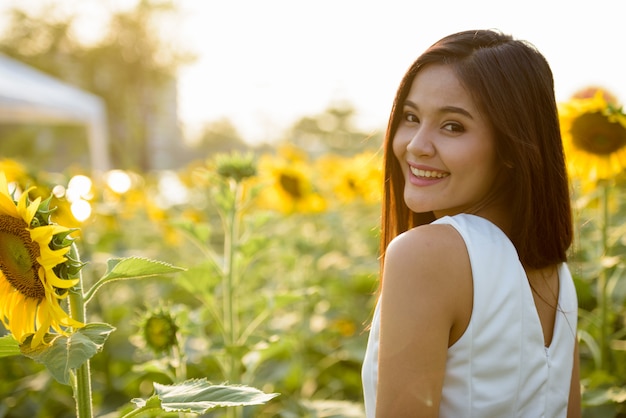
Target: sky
<point>265,63</point>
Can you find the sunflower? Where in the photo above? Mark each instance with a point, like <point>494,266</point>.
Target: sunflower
<point>30,289</point>
<point>159,330</point>
<point>594,135</point>
<point>288,185</point>
<point>356,178</point>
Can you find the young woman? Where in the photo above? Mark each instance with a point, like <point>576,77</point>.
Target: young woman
<point>477,311</point>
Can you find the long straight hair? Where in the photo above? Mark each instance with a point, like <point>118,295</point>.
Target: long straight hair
<point>512,85</point>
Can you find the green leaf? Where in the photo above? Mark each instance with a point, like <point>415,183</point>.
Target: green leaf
<point>64,354</point>
<point>152,402</point>
<point>135,267</point>
<point>200,279</point>
<point>9,346</point>
<point>602,396</point>
<point>155,367</point>
<point>334,409</point>
<point>199,231</point>
<point>131,268</point>
<point>198,396</point>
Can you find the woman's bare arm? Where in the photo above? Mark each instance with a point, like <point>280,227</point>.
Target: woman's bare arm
<point>426,292</point>
<point>574,404</point>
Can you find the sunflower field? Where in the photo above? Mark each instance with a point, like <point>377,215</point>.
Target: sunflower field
<point>277,257</point>
<point>593,124</point>
<point>241,285</point>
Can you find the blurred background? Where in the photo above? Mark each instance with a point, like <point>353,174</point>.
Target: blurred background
<point>174,75</point>
<point>153,123</point>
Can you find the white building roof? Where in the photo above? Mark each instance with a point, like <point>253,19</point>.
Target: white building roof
<point>28,95</point>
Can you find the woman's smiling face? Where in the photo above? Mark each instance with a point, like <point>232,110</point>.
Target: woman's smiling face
<point>444,145</point>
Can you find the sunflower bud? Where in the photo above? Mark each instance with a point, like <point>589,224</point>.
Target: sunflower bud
<point>235,166</point>
<point>159,331</point>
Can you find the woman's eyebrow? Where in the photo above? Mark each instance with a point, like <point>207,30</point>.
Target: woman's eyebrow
<point>456,109</point>
<point>444,109</point>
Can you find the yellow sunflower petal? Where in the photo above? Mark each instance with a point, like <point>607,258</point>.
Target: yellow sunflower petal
<point>50,257</point>
<point>12,169</point>
<point>4,187</point>
<point>44,234</point>
<point>5,287</point>
<point>23,319</point>
<point>52,280</point>
<point>44,323</point>
<point>60,317</point>
<point>26,211</point>
<point>618,118</point>
<point>7,206</point>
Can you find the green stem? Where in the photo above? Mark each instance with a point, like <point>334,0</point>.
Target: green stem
<point>180,365</point>
<point>231,312</point>
<point>141,411</point>
<point>227,282</point>
<point>82,388</point>
<point>602,283</point>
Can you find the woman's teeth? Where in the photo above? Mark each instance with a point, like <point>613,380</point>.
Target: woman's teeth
<point>428,174</point>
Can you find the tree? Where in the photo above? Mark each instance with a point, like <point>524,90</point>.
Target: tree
<point>131,68</point>
<point>332,131</point>
<point>220,136</point>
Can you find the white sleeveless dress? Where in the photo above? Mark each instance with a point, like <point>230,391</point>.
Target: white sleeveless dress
<point>500,366</point>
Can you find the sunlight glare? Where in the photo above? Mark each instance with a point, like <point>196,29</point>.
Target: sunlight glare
<point>58,191</point>
<point>79,187</point>
<point>81,209</point>
<point>171,190</point>
<point>118,181</point>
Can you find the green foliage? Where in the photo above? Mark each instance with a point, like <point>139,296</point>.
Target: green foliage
<point>299,296</point>
<point>599,273</point>
<point>198,396</point>
<point>9,346</point>
<point>51,147</point>
<point>64,354</point>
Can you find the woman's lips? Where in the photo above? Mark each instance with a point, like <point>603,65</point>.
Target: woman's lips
<point>426,176</point>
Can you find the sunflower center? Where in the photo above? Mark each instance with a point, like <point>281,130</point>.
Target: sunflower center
<point>291,185</point>
<point>594,133</point>
<point>352,184</point>
<point>18,257</point>
<point>160,332</point>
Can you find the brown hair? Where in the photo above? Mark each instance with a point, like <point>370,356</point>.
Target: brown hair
<point>512,84</point>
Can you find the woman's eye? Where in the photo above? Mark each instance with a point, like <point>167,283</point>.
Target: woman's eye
<point>453,127</point>
<point>410,117</point>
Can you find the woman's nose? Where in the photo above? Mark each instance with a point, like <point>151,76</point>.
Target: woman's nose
<point>421,143</point>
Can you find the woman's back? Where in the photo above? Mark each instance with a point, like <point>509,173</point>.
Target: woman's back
<point>500,366</point>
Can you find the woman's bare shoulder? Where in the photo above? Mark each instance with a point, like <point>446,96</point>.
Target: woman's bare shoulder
<point>427,260</point>
<point>427,243</point>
